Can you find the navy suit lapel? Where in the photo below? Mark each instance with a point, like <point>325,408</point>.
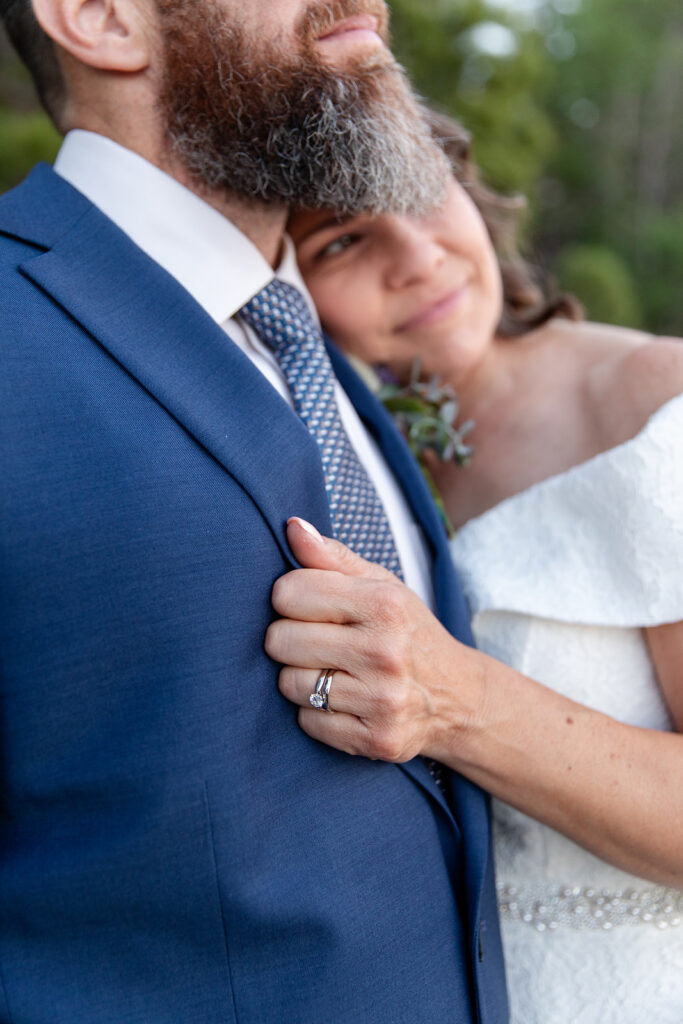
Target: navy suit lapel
<point>468,801</point>
<point>451,606</point>
<point>162,337</point>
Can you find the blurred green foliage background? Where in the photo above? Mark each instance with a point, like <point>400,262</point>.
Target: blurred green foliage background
<point>575,103</point>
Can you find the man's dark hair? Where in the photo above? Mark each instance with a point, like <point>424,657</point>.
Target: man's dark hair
<point>37,51</point>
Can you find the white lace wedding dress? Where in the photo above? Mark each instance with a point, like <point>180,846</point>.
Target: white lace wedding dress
<point>561,580</point>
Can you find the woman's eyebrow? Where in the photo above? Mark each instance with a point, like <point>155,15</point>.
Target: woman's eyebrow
<point>329,222</point>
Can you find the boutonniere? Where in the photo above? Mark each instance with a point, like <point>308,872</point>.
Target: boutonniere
<point>426,413</point>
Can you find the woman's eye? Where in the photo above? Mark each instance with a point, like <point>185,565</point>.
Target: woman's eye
<point>338,246</point>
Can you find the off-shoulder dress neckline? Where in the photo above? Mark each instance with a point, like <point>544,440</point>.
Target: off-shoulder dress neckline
<point>600,543</point>
<point>576,470</point>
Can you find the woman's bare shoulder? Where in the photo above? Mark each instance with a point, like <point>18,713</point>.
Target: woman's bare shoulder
<point>649,374</point>
<point>629,375</point>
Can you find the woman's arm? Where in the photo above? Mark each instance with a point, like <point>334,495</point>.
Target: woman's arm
<point>404,687</point>
<point>666,649</point>
<point>615,789</point>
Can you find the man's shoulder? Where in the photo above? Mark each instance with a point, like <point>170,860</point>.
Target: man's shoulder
<point>33,216</point>
<point>38,210</point>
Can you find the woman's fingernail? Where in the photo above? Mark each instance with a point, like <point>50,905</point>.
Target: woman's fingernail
<point>308,527</point>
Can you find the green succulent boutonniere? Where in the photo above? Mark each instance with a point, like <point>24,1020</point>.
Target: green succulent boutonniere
<point>426,412</point>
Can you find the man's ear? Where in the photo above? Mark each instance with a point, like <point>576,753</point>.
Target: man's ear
<point>114,35</point>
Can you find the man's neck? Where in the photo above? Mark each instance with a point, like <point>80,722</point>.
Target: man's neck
<point>262,223</point>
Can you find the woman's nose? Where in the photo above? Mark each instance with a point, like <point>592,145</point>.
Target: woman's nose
<point>416,255</point>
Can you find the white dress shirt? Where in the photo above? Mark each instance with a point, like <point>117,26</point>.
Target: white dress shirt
<point>222,269</point>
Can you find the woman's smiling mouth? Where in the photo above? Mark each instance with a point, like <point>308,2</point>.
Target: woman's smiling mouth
<point>434,311</point>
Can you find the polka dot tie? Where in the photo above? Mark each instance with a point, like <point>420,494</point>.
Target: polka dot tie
<point>281,318</point>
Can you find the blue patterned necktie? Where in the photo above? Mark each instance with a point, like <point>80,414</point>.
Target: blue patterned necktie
<point>281,318</point>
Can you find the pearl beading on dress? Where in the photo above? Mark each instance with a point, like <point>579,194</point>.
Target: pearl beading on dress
<point>584,908</point>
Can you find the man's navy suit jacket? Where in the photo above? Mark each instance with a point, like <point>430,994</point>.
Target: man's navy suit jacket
<point>174,849</point>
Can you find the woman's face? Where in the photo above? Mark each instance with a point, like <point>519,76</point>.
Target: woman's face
<point>391,288</point>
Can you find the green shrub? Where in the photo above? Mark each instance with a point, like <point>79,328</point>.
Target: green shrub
<point>603,282</point>
<point>661,258</point>
<point>24,140</point>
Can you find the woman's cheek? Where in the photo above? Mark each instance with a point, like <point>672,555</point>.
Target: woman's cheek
<point>349,311</point>
<point>328,297</point>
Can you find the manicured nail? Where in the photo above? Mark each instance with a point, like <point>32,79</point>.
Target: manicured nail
<point>308,527</point>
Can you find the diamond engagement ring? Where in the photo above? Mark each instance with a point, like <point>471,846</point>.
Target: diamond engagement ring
<point>320,698</point>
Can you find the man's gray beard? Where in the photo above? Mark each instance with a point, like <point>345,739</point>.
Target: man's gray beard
<point>299,135</point>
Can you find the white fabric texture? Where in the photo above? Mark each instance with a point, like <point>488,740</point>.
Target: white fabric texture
<point>561,579</point>
<point>222,269</point>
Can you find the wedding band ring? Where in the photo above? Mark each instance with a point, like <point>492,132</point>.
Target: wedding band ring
<point>320,698</point>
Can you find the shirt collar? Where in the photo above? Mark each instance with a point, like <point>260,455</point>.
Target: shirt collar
<point>211,258</point>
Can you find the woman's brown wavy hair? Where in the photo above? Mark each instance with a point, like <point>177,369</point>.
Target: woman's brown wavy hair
<point>528,301</point>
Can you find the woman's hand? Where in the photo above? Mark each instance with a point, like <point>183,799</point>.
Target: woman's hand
<point>394,691</point>
<point>403,686</point>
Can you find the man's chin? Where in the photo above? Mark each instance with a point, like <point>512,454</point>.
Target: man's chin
<point>293,129</point>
